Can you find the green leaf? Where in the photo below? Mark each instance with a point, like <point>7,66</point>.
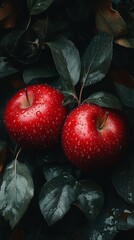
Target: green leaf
<point>90,199</point>
<point>16,191</point>
<point>67,60</point>
<point>104,99</point>
<point>56,197</point>
<point>97,59</point>
<point>5,68</point>
<point>69,98</point>
<point>52,170</point>
<point>38,72</point>
<point>126,94</point>
<point>123,180</point>
<point>38,6</point>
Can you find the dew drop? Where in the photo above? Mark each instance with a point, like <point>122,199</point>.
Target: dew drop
<point>38,113</point>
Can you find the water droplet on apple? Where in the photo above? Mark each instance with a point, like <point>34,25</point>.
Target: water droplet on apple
<point>38,113</point>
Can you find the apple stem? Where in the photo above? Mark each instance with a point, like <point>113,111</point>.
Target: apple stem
<point>27,97</point>
<point>104,122</point>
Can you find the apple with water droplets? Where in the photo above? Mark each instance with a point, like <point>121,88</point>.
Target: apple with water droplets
<point>94,137</point>
<point>34,116</point>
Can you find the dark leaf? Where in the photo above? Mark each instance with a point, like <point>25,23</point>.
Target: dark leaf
<point>124,83</point>
<point>116,1</point>
<point>123,180</point>
<point>54,170</point>
<point>39,27</point>
<point>10,40</point>
<point>90,199</point>
<point>26,48</point>
<point>125,220</point>
<point>78,11</point>
<point>5,68</point>
<point>67,60</point>
<point>38,6</point>
<point>109,20</point>
<point>38,72</point>
<point>97,59</point>
<point>104,99</point>
<point>126,94</point>
<point>116,215</point>
<point>69,98</point>
<point>16,191</point>
<point>56,197</point>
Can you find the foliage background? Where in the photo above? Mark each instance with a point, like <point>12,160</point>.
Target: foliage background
<point>50,41</point>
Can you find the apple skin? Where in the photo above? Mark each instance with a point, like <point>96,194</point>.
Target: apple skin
<point>90,141</point>
<point>38,123</point>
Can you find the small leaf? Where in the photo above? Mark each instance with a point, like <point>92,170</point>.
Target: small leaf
<point>104,99</point>
<point>123,180</point>
<point>90,199</point>
<point>5,68</point>
<point>97,59</point>
<point>16,191</point>
<point>109,20</point>
<point>38,72</point>
<point>67,60</point>
<point>56,197</point>
<point>38,6</point>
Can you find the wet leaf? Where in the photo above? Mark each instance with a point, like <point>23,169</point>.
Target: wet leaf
<point>38,6</point>
<point>52,170</point>
<point>16,191</point>
<point>97,59</point>
<point>90,199</point>
<point>67,60</point>
<point>56,197</point>
<point>104,99</point>
<point>109,20</point>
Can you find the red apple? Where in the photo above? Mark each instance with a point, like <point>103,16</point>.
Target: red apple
<point>94,137</point>
<point>34,116</point>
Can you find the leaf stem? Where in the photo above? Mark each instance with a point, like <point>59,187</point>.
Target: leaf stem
<point>75,97</point>
<point>16,158</point>
<point>15,171</point>
<point>80,95</point>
